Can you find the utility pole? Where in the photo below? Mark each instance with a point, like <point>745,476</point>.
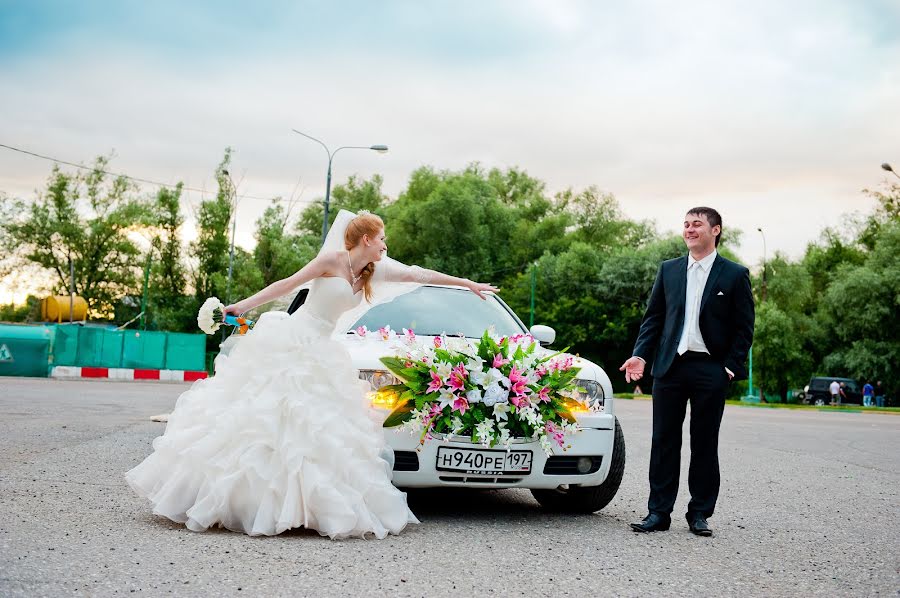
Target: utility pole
<point>71,289</point>
<point>533,285</point>
<point>144,296</point>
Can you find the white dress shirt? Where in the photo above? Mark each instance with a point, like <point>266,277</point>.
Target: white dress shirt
<point>697,274</point>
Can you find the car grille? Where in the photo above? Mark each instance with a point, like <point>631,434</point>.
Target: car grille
<point>406,461</point>
<point>480,481</point>
<point>565,465</point>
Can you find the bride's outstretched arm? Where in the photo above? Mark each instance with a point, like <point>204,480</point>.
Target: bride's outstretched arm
<point>397,272</point>
<point>320,265</point>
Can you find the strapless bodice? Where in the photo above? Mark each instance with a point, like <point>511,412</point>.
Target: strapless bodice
<point>330,297</point>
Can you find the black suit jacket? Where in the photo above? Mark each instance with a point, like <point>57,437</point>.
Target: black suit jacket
<point>726,316</point>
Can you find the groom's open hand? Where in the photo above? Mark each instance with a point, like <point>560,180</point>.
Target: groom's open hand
<point>633,368</point>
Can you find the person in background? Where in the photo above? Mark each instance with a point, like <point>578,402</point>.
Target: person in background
<point>835,389</point>
<point>879,394</point>
<point>868,394</point>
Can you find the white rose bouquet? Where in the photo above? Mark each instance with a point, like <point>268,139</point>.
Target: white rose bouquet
<point>212,315</point>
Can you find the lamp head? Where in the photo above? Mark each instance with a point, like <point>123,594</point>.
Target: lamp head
<point>887,167</point>
<point>381,149</point>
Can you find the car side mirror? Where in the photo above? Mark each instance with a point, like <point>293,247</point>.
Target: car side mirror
<point>543,334</point>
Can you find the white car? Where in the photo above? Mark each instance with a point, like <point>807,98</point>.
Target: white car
<point>584,478</point>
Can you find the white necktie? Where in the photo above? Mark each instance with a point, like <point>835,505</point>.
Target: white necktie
<point>691,335</point>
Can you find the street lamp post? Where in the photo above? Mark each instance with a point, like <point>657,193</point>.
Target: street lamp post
<point>762,395</point>
<point>533,285</point>
<point>378,148</point>
<point>764,285</point>
<point>887,167</point>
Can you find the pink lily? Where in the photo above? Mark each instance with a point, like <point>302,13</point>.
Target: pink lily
<point>460,404</point>
<point>519,400</point>
<point>436,383</point>
<point>362,331</point>
<point>557,434</point>
<point>499,360</point>
<point>409,334</point>
<point>458,378</point>
<point>517,382</point>
<point>438,342</point>
<point>544,394</point>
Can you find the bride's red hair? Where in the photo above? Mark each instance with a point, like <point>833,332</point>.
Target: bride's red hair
<point>364,224</point>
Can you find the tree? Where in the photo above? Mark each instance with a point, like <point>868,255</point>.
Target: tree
<point>780,359</point>
<point>860,309</point>
<point>84,219</point>
<point>210,249</point>
<point>279,254</point>
<point>354,196</point>
<point>168,307</point>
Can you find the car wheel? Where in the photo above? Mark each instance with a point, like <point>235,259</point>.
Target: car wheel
<point>819,401</point>
<point>588,499</point>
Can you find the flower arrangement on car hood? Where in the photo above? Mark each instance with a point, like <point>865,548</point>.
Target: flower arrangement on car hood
<point>492,390</point>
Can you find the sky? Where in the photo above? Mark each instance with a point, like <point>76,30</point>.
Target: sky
<point>776,113</point>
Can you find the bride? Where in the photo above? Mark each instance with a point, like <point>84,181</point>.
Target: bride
<point>281,436</point>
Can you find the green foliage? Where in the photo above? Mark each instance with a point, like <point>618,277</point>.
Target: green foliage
<point>278,253</point>
<point>780,359</point>
<point>833,312</point>
<point>85,218</point>
<point>354,196</point>
<point>210,249</point>
<point>29,311</point>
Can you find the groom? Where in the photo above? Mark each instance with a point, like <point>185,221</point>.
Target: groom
<point>699,326</point>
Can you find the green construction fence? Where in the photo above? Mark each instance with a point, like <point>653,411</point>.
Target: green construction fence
<point>32,350</point>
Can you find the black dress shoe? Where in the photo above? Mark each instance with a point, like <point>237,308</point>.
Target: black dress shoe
<point>698,525</point>
<point>654,522</point>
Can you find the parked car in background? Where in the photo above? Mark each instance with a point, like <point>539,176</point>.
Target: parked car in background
<point>817,392</point>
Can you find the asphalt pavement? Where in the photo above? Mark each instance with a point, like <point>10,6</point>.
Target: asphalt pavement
<point>808,507</point>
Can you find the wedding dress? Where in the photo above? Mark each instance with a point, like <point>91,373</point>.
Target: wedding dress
<point>281,437</point>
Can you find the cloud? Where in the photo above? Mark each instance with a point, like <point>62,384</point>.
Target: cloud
<point>777,113</point>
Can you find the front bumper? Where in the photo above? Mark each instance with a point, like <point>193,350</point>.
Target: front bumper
<point>595,440</point>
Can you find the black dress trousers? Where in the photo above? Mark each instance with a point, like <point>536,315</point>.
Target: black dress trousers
<point>703,381</point>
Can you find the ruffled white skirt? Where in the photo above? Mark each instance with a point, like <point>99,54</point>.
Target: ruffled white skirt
<point>279,438</point>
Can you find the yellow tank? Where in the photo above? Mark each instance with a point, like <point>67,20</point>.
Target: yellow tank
<point>57,308</point>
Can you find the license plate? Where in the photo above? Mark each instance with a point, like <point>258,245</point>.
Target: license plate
<point>484,462</point>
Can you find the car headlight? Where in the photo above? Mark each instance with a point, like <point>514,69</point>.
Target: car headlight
<point>379,396</point>
<point>590,393</point>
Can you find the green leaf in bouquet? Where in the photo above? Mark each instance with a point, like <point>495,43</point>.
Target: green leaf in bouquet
<point>478,414</point>
<point>400,414</point>
<point>395,365</point>
<point>551,356</point>
<point>488,348</point>
<point>519,354</point>
<point>568,376</point>
<point>420,400</point>
<point>450,356</point>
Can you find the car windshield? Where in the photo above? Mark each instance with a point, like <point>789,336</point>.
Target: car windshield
<point>435,310</point>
